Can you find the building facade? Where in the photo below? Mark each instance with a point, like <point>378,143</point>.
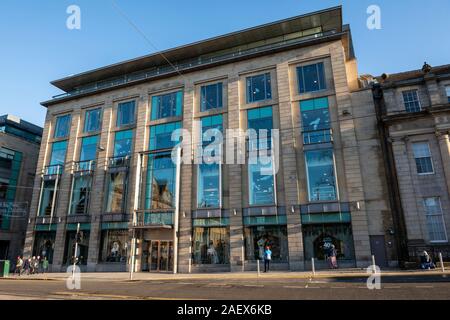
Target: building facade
<point>105,164</point>
<point>414,114</point>
<point>19,150</point>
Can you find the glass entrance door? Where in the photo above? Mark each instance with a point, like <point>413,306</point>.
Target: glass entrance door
<point>161,256</point>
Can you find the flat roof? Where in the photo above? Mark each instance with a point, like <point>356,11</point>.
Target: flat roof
<point>21,124</point>
<point>328,19</point>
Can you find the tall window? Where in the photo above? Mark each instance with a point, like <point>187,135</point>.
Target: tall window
<point>123,143</point>
<point>261,184</point>
<point>62,127</point>
<point>259,88</point>
<point>88,148</point>
<point>161,135</point>
<point>211,96</point>
<point>311,78</point>
<point>126,113</point>
<point>435,220</point>
<point>422,155</point>
<point>167,105</point>
<point>411,100</point>
<point>208,176</point>
<point>447,91</point>
<point>315,120</point>
<point>116,192</point>
<point>160,189</point>
<point>320,174</point>
<point>48,192</point>
<point>92,120</point>
<point>58,156</point>
<point>81,194</point>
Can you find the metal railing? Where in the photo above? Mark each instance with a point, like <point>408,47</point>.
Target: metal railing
<point>121,161</point>
<point>56,169</point>
<point>188,64</point>
<point>319,136</point>
<point>87,166</point>
<point>326,193</point>
<point>154,218</point>
<point>116,217</point>
<point>78,218</point>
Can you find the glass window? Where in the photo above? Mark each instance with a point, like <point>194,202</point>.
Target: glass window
<point>123,143</point>
<point>62,127</point>
<point>82,248</point>
<point>44,245</point>
<point>167,105</point>
<point>261,185</point>
<point>161,135</point>
<point>259,237</point>
<point>211,96</point>
<point>320,173</point>
<point>422,155</point>
<point>211,245</point>
<point>160,185</point>
<point>89,148</point>
<point>259,88</point>
<point>48,191</point>
<point>315,120</point>
<point>447,91</point>
<point>114,246</point>
<point>435,220</point>
<point>126,113</point>
<point>318,238</point>
<point>80,194</point>
<point>116,193</point>
<point>311,78</point>
<point>92,120</point>
<point>411,101</point>
<point>208,186</point>
<point>58,156</point>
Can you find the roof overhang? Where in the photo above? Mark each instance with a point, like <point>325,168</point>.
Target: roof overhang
<point>328,19</point>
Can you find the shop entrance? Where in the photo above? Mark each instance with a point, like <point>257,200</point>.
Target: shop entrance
<point>160,256</point>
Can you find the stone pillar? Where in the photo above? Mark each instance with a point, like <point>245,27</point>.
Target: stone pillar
<point>96,206</point>
<point>434,91</point>
<point>186,188</point>
<point>351,159</point>
<point>444,146</point>
<point>235,183</point>
<point>290,174</point>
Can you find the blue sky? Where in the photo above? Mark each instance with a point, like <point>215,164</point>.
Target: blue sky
<point>36,46</point>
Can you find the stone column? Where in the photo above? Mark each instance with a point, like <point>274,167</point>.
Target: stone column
<point>186,188</point>
<point>289,162</point>
<point>444,146</point>
<point>98,189</point>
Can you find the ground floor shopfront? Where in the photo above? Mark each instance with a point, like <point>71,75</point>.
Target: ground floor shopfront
<point>210,245</point>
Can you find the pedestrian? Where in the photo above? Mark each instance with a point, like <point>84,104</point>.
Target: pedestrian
<point>44,265</point>
<point>37,265</point>
<point>19,265</point>
<point>332,257</point>
<point>32,264</point>
<point>267,258</point>
<point>26,266</point>
<point>426,262</point>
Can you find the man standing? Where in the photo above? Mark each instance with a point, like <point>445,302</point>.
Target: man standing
<point>267,258</point>
<point>19,266</point>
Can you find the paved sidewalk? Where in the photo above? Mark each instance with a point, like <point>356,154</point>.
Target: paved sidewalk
<point>146,276</point>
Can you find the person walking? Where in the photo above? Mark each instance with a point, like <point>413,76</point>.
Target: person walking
<point>19,266</point>
<point>267,258</point>
<point>37,265</point>
<point>26,266</point>
<point>32,264</point>
<point>332,257</point>
<point>44,265</point>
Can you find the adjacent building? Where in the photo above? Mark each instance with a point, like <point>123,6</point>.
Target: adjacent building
<point>19,150</point>
<point>105,164</point>
<point>414,115</point>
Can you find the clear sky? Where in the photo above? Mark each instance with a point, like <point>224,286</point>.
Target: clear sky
<point>36,47</point>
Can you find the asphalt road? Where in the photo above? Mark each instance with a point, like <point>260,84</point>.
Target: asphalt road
<point>433,287</point>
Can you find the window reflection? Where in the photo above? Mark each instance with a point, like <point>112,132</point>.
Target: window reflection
<point>259,88</point>
<point>114,246</point>
<point>259,237</point>
<point>211,245</point>
<point>160,189</point>
<point>116,192</point>
<point>167,105</point>
<point>321,179</point>
<point>126,113</point>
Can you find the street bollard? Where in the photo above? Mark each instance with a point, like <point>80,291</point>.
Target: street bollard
<point>442,262</point>
<point>374,268</point>
<point>190,265</point>
<point>257,265</point>
<point>313,267</point>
